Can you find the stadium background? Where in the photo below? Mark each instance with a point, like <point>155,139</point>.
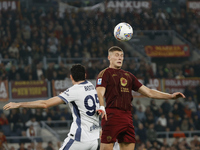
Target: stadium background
<point>41,39</point>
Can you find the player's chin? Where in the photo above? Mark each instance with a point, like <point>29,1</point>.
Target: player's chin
<point>118,65</point>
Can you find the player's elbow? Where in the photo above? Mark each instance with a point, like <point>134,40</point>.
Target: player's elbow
<point>45,105</point>
<point>145,91</point>
<point>150,95</point>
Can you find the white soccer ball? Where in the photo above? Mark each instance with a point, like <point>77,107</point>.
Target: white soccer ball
<point>123,31</point>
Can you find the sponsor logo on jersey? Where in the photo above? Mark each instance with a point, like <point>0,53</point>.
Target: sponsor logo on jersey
<point>109,138</point>
<point>94,127</point>
<point>123,89</point>
<point>66,93</point>
<point>126,74</point>
<point>114,75</point>
<point>123,81</point>
<point>99,81</point>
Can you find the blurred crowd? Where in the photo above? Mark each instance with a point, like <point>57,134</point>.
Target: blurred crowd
<point>59,71</point>
<point>178,117</point>
<point>26,123</point>
<point>35,33</point>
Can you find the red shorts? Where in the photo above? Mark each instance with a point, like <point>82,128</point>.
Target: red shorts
<point>118,126</point>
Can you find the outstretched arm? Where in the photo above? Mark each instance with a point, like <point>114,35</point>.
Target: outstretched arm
<point>100,93</point>
<point>158,94</point>
<point>35,104</point>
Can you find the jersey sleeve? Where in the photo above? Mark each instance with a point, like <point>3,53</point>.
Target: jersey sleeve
<point>68,95</point>
<point>135,83</point>
<point>102,79</point>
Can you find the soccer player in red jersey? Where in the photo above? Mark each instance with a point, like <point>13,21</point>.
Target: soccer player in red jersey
<point>116,86</point>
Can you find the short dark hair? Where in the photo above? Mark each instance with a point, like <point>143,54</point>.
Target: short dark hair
<point>50,142</point>
<point>78,72</point>
<point>114,48</point>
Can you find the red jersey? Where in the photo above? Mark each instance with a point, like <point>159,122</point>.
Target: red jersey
<point>119,85</point>
<point>3,121</point>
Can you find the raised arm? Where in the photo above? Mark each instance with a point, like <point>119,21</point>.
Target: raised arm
<point>100,93</point>
<point>35,104</point>
<point>158,94</point>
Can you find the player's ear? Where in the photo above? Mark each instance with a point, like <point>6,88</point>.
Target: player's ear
<point>71,77</point>
<point>108,57</point>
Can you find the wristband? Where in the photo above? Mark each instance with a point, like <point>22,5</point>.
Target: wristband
<point>102,108</point>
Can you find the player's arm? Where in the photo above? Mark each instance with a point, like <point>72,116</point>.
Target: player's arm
<point>100,93</point>
<point>158,94</point>
<point>35,104</point>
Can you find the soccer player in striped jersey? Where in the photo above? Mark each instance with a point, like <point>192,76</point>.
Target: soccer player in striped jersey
<point>116,86</point>
<point>83,102</point>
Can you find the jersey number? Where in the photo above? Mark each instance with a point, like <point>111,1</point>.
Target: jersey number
<point>91,107</point>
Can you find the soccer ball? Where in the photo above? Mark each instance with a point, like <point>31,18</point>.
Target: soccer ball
<point>123,31</point>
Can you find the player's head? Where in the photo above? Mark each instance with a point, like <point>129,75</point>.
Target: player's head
<point>78,72</point>
<point>115,56</point>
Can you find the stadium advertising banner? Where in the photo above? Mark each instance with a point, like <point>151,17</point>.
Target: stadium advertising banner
<point>129,4</point>
<point>13,5</point>
<point>193,6</point>
<point>152,84</point>
<point>29,89</point>
<point>167,50</point>
<point>63,6</point>
<point>174,85</point>
<point>3,90</point>
<point>59,86</point>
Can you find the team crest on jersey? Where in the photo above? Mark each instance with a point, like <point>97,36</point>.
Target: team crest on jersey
<point>99,81</point>
<point>109,138</point>
<point>114,75</point>
<point>123,81</point>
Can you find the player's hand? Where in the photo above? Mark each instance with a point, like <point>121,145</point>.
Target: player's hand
<point>101,111</point>
<point>177,95</point>
<point>11,105</point>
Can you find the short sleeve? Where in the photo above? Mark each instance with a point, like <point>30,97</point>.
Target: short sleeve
<point>135,83</point>
<point>102,79</point>
<point>68,95</point>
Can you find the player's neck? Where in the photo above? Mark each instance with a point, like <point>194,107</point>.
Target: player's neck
<point>113,67</point>
<point>78,82</point>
